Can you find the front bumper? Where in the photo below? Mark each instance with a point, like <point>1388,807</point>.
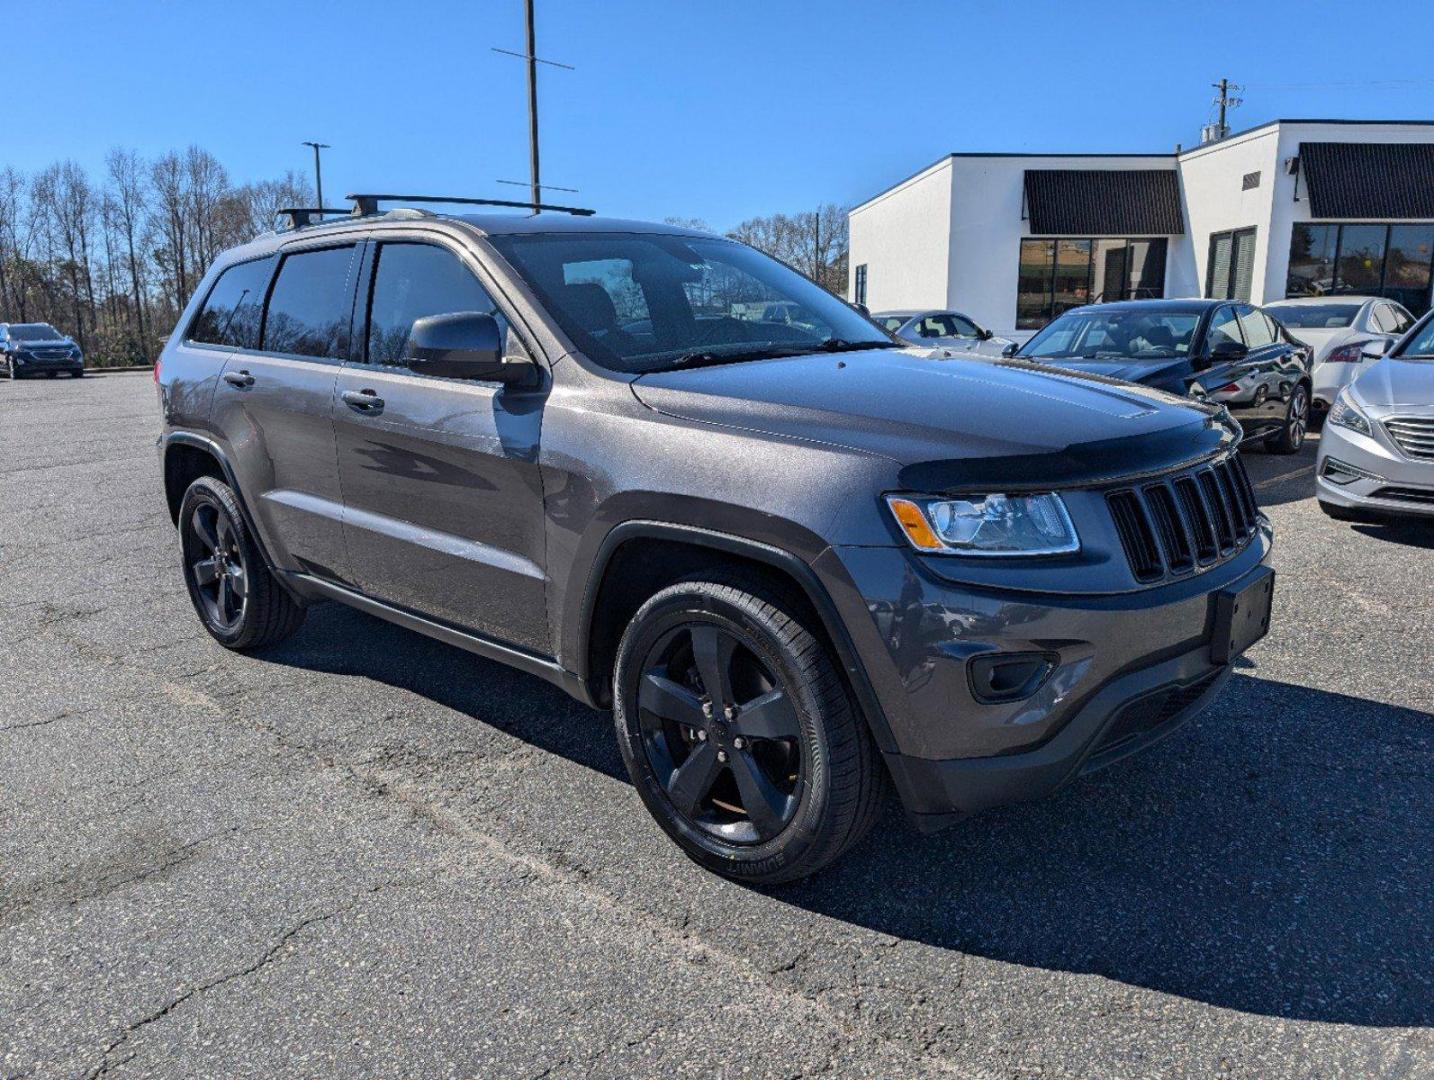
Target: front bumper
<point>1394,483</point>
<point>34,365</point>
<point>1126,669</point>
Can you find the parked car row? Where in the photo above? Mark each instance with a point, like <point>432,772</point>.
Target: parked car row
<point>28,349</point>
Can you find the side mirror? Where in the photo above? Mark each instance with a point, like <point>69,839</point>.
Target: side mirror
<point>1222,353</point>
<point>463,345</point>
<point>983,334</point>
<point>1373,350</point>
<point>1011,349</point>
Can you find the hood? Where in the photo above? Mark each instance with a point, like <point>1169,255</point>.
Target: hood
<point>1394,381</point>
<point>1149,372</point>
<point>949,421</point>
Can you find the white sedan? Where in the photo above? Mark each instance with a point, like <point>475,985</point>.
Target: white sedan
<point>942,330</point>
<point>1341,330</point>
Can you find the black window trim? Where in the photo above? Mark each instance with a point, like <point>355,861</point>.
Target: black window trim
<point>189,341</point>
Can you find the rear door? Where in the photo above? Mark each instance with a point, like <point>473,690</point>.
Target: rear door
<point>443,498</point>
<point>273,407</point>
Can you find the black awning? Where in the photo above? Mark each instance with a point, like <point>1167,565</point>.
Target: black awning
<point>1104,202</point>
<point>1369,180</point>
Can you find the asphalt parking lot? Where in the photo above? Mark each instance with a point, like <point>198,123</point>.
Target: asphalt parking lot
<point>368,853</point>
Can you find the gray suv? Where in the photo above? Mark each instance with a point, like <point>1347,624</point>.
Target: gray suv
<point>798,561</point>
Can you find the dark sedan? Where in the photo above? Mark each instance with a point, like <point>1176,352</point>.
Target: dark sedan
<point>1221,351</point>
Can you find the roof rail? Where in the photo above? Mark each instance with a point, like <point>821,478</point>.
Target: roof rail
<point>364,205</point>
<point>302,216</point>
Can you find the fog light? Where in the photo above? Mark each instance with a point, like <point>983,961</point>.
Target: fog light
<point>1340,472</point>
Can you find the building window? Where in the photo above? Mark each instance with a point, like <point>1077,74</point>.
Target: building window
<point>1371,260</point>
<point>1231,269</point>
<point>859,290</point>
<point>1057,275</point>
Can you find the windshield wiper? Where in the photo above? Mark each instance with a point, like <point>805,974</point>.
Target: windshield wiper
<point>774,349</point>
<point>842,345</point>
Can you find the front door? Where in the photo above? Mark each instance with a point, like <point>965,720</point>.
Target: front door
<point>443,498</point>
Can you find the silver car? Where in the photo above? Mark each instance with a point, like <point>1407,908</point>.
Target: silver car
<point>943,329</point>
<point>1376,456</point>
<point>1339,329</point>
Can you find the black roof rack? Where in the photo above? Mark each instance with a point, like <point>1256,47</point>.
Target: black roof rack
<point>301,216</point>
<point>368,204</point>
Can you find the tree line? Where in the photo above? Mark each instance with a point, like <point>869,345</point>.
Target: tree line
<point>814,242</point>
<point>112,260</point>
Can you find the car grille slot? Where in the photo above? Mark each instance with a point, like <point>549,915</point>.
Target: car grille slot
<point>1413,434</point>
<point>1136,536</point>
<point>1405,494</point>
<point>1192,519</point>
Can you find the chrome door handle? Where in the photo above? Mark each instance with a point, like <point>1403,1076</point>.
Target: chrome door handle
<point>239,378</point>
<point>362,400</point>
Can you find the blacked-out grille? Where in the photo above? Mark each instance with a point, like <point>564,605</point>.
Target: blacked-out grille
<point>1180,522</point>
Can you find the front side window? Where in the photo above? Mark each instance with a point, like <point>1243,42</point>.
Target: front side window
<point>1224,329</point>
<point>234,308</point>
<point>1255,328</point>
<point>411,282</point>
<point>637,302</point>
<point>308,311</point>
<point>1115,335</point>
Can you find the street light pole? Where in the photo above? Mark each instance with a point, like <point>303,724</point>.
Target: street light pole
<point>533,107</point>
<point>318,174</point>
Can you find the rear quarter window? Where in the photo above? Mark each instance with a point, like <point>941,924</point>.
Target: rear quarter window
<point>234,307</point>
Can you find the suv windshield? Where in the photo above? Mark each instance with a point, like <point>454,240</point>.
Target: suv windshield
<point>1313,316</point>
<point>1116,335</point>
<point>647,302</point>
<point>35,332</point>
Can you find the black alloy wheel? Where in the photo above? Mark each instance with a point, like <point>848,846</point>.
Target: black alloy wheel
<point>739,733</point>
<point>234,593</point>
<point>720,733</point>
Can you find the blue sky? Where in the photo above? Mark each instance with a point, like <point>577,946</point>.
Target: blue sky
<point>715,110</point>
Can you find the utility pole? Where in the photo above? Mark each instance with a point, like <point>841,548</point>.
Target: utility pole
<point>535,183</point>
<point>318,173</point>
<point>533,108</point>
<point>1225,101</point>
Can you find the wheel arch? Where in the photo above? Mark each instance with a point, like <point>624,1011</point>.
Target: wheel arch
<point>637,558</point>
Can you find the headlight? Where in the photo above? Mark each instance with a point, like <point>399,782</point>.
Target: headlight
<point>986,524</point>
<point>1345,413</point>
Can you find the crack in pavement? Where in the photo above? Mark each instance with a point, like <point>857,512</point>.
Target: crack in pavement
<point>268,956</point>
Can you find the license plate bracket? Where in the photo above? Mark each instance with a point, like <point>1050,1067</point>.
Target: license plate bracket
<point>1242,615</point>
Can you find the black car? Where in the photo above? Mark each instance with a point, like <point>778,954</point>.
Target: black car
<point>39,349</point>
<point>796,559</point>
<point>1220,351</point>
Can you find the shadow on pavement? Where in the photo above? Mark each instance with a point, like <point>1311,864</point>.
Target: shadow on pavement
<point>1410,533</point>
<point>1274,857</point>
<point>1282,478</point>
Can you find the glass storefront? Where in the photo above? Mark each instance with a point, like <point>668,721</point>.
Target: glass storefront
<point>1057,275</point>
<point>1368,260</point>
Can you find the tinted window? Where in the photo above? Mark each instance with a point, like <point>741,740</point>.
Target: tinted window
<point>1256,329</point>
<point>638,303</point>
<point>308,312</point>
<point>1223,327</point>
<point>1314,316</point>
<point>411,282</point>
<point>231,314</point>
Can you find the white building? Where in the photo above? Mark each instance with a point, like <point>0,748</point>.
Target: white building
<point>1290,208</point>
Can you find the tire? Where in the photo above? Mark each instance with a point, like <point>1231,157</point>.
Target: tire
<point>771,792</point>
<point>77,374</point>
<point>237,599</point>
<point>1291,436</point>
<point>10,372</point>
<point>1347,513</point>
<point>51,374</point>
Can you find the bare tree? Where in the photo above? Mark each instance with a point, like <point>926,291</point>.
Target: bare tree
<point>813,242</point>
<point>129,195</point>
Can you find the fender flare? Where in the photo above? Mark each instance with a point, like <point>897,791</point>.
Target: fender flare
<point>794,567</point>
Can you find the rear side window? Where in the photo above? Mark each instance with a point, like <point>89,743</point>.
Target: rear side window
<point>232,312</point>
<point>308,312</point>
<point>411,282</point>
